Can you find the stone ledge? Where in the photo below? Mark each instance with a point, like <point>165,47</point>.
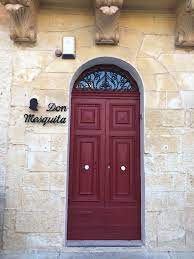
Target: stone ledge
<point>96,255</point>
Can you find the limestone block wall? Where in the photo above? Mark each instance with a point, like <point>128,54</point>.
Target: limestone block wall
<point>34,158</point>
<point>5,96</point>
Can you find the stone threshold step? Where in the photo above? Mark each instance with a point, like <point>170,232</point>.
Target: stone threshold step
<point>98,255</point>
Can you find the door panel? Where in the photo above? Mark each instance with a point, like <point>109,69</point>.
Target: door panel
<point>88,116</point>
<point>123,178</point>
<point>122,115</point>
<point>86,189</point>
<point>86,175</point>
<point>121,174</point>
<point>104,182</point>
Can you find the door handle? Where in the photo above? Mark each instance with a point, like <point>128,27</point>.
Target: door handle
<point>108,166</point>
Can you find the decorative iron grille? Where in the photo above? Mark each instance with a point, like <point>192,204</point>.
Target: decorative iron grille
<point>105,78</point>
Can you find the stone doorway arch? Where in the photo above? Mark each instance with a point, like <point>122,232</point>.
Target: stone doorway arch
<point>134,73</point>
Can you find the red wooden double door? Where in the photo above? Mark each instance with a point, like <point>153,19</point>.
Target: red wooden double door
<point>104,182</point>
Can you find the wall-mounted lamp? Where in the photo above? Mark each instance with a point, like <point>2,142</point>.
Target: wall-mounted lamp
<point>68,48</point>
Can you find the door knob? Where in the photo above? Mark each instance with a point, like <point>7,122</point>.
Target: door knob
<point>108,166</point>
<point>123,168</point>
<point>86,167</point>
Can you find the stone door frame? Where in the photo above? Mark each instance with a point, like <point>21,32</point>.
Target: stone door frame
<point>136,75</point>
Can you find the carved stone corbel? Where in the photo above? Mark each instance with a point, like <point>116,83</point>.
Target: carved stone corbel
<point>185,24</point>
<point>107,21</point>
<point>23,19</point>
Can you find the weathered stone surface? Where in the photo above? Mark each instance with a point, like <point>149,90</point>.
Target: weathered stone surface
<point>14,241</point>
<point>3,172</point>
<point>153,118</point>
<point>162,44</point>
<point>190,181</point>
<point>20,96</point>
<point>48,40</point>
<point>178,62</point>
<point>44,240</point>
<point>46,161</point>
<point>174,162</point>
<point>17,157</point>
<point>180,182</point>
<point>85,54</point>
<point>188,142</point>
<point>5,42</point>
<point>185,80</point>
<point>16,135</point>
<point>156,201</point>
<point>17,116</point>
<point>149,82</point>
<point>3,137</point>
<point>155,100</point>
<point>150,66</point>
<point>13,199</point>
<point>14,178</point>
<point>44,201</point>
<point>52,81</point>
<point>189,219</point>
<point>5,85</point>
<point>38,142</point>
<point>187,97</point>
<point>154,164</point>
<point>149,24</point>
<point>159,201</point>
<point>190,239</point>
<point>151,225</point>
<point>39,222</point>
<point>192,118</point>
<point>4,25</point>
<point>24,59</point>
<point>162,144</point>
<point>174,100</point>
<point>159,182</point>
<point>62,21</point>
<point>176,200</point>
<point>36,180</point>
<point>130,39</point>
<point>25,75</point>
<point>62,66</point>
<point>57,181</point>
<point>173,118</point>
<point>59,143</point>
<point>166,82</point>
<point>187,158</point>
<point>170,226</point>
<point>190,199</point>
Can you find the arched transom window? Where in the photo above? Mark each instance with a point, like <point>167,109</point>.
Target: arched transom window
<point>105,78</point>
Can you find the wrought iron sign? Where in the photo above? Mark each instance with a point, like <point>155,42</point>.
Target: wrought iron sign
<point>105,78</point>
<point>44,120</point>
